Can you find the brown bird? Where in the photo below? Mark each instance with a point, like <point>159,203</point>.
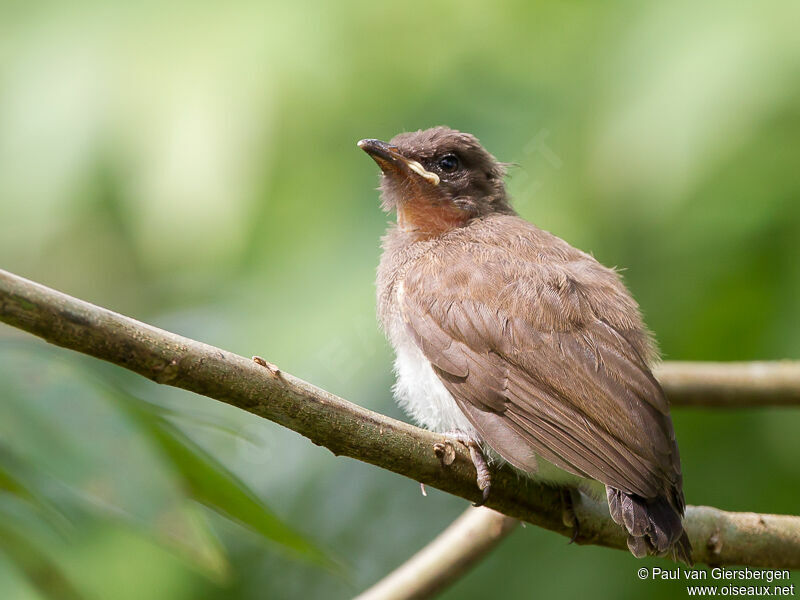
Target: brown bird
<point>509,338</point>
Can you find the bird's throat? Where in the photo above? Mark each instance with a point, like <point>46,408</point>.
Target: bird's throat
<point>430,217</point>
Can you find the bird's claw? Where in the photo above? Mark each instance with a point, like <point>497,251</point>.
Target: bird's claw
<point>484,494</point>
<point>568,516</point>
<point>446,453</point>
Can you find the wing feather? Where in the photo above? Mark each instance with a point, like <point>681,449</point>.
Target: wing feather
<point>540,365</point>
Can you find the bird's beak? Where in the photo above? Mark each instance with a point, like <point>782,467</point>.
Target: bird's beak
<point>390,160</point>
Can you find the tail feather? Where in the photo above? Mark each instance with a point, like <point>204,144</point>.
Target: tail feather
<point>654,525</point>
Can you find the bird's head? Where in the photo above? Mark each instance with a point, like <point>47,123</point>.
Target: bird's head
<point>438,179</point>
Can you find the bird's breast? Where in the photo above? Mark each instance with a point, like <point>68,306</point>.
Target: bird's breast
<point>418,390</point>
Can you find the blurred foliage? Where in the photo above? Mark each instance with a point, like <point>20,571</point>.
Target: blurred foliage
<point>137,470</point>
<point>193,165</point>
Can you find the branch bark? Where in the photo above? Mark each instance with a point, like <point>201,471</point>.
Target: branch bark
<point>721,538</point>
<point>449,556</point>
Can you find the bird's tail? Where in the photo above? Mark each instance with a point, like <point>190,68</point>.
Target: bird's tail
<point>654,525</point>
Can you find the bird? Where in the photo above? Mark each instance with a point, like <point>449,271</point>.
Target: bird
<point>517,344</point>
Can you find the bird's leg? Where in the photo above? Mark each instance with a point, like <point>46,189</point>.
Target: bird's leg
<point>484,478</point>
<point>568,516</point>
<point>482,468</point>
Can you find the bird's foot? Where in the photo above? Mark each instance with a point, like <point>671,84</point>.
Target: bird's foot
<point>447,455</point>
<point>568,516</point>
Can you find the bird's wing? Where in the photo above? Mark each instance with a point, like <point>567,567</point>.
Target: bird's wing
<point>540,363</point>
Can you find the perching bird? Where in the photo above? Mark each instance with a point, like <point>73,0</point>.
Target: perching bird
<point>509,338</point>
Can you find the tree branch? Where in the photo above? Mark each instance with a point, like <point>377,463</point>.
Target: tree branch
<point>731,384</point>
<point>347,429</point>
<point>450,555</point>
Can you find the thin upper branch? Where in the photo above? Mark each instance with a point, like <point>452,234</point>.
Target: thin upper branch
<point>451,554</point>
<point>346,429</point>
<point>731,384</point>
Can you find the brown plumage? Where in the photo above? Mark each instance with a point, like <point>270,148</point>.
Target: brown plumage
<point>538,350</point>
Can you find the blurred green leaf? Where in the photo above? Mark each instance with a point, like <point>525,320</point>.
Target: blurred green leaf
<point>210,483</point>
<point>30,545</point>
<point>52,460</point>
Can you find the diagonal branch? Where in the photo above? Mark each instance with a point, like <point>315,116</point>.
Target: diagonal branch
<point>347,429</point>
<point>454,551</point>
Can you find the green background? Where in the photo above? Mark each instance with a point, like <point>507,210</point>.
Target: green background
<point>193,165</point>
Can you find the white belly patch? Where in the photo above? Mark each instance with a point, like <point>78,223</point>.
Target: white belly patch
<point>420,392</point>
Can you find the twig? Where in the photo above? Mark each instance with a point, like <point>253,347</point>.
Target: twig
<point>451,554</point>
<point>347,429</point>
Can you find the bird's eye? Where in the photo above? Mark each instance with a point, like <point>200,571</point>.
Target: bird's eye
<point>448,163</point>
